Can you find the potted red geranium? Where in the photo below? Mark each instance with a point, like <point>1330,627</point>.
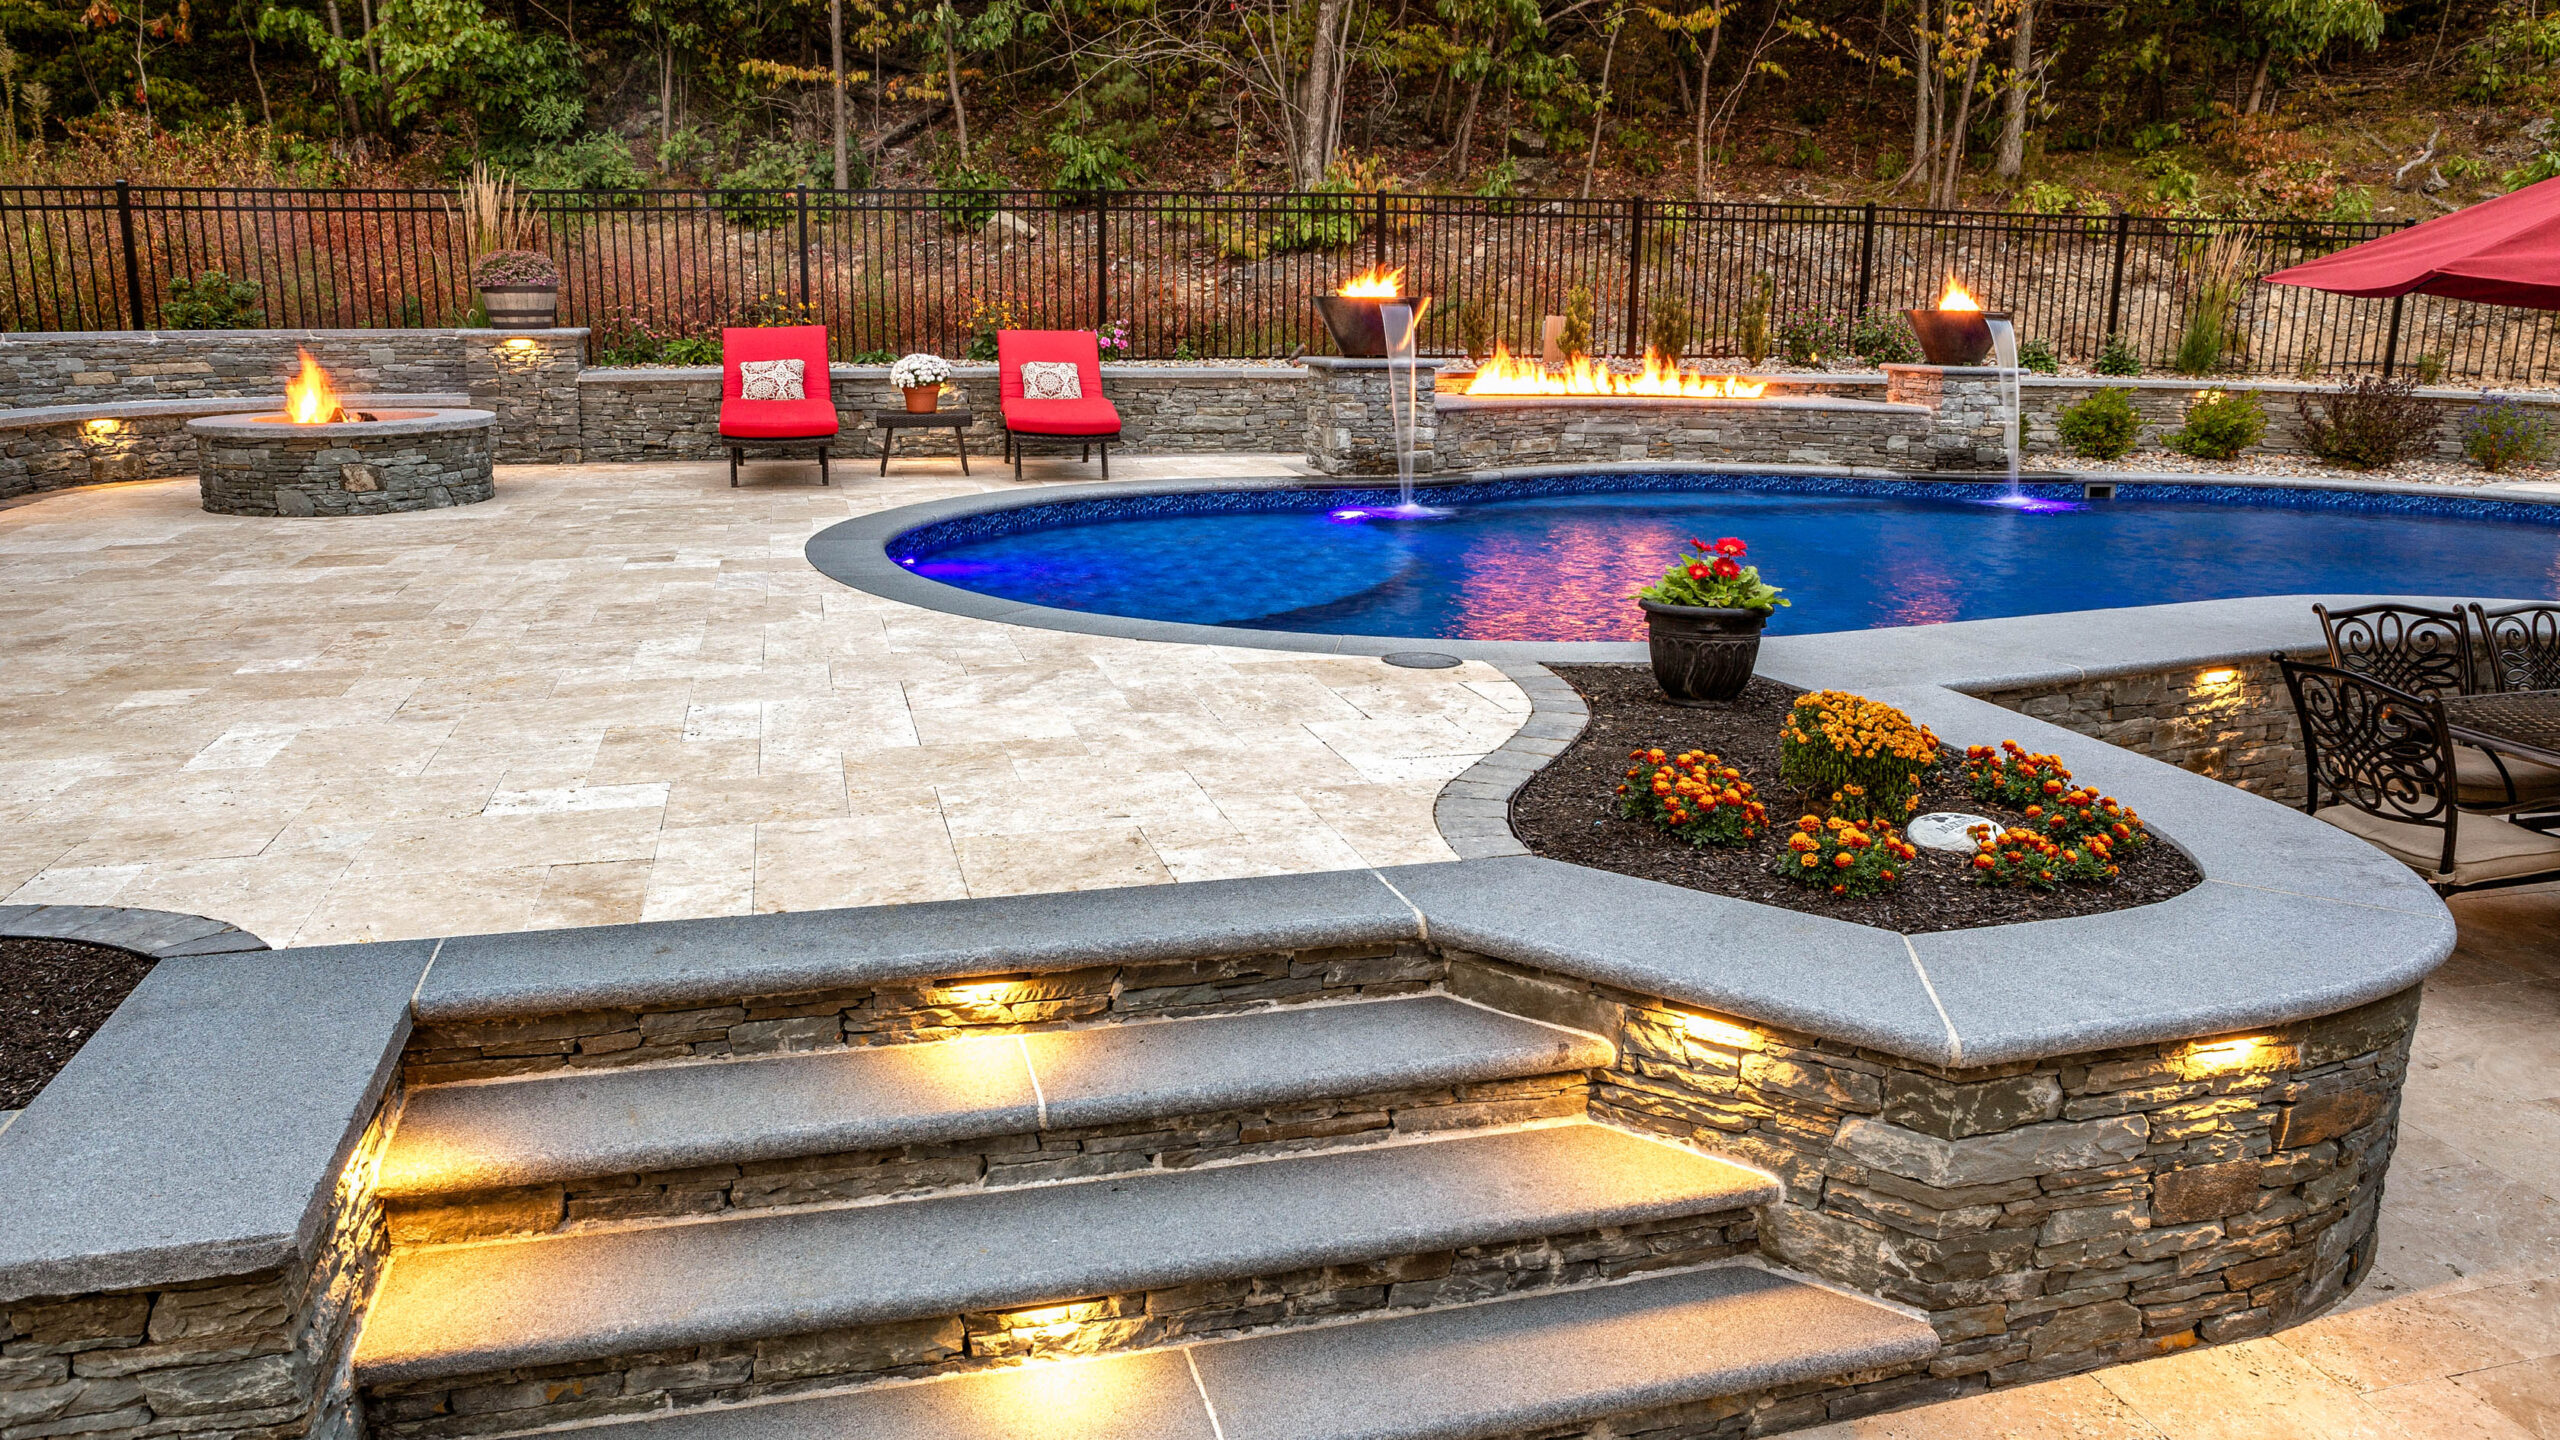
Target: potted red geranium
<point>1704,618</point>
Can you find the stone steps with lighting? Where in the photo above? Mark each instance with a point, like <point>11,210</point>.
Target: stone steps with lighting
<point>496,1336</point>
<point>569,1147</point>
<point>1727,1350</point>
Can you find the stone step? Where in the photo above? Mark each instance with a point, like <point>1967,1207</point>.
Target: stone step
<point>1702,1349</point>
<point>565,1148</point>
<point>509,1334</point>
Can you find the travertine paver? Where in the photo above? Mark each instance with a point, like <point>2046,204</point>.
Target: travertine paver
<point>620,693</point>
<point>2456,1333</point>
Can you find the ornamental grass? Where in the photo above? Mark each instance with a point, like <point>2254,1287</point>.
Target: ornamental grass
<point>1693,795</point>
<point>1868,758</point>
<point>1845,857</point>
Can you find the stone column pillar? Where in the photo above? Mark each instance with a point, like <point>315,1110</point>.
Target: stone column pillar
<point>1973,420</point>
<point>1350,430</point>
<point>530,378</point>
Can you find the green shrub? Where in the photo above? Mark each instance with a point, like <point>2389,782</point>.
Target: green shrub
<point>2208,331</point>
<point>967,197</point>
<point>1579,311</point>
<point>2368,424</point>
<point>2116,357</point>
<point>751,193</point>
<point>593,163</point>
<point>211,301</point>
<point>2498,432</point>
<point>1881,337</point>
<point>2219,426</point>
<point>2430,368</point>
<point>2102,427</point>
<point>1755,321</point>
<point>1666,328</point>
<point>1477,329</point>
<point>2038,356</point>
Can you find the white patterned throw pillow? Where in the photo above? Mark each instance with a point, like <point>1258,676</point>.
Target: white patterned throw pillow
<point>770,380</point>
<point>1051,380</point>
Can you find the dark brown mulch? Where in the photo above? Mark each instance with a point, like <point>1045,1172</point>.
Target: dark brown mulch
<point>54,994</point>
<point>1568,811</point>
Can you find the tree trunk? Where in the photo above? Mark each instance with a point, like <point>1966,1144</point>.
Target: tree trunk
<point>2013,122</point>
<point>951,73</point>
<point>1924,90</point>
<point>1953,173</point>
<point>835,79</point>
<point>1311,148</point>
<point>1698,133</point>
<point>346,102</point>
<point>1467,127</point>
<point>2258,87</point>
<point>265,113</point>
<point>1600,110</point>
<point>373,61</point>
<point>667,95</point>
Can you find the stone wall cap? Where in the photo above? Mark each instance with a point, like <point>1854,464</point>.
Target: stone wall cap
<point>248,428</point>
<point>201,1131</point>
<point>36,416</point>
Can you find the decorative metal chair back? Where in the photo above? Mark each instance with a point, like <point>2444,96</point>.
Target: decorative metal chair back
<point>2425,652</point>
<point>2380,749</point>
<point>2520,647</point>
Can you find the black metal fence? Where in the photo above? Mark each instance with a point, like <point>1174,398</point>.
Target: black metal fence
<point>1217,275</point>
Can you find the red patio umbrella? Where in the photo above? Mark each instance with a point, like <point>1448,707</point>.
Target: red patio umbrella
<point>2499,252</point>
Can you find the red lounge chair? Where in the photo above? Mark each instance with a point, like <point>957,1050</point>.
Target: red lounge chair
<point>1084,422</point>
<point>744,421</point>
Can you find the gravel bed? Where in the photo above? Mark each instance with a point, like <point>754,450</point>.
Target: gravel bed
<point>54,994</point>
<point>1568,811</point>
<point>2295,467</point>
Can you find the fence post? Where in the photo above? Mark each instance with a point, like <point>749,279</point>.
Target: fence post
<point>1378,234</point>
<point>1635,276</point>
<point>1867,259</point>
<point>132,262</point>
<point>2115,277</point>
<point>2391,345</point>
<point>800,197</point>
<point>1101,259</point>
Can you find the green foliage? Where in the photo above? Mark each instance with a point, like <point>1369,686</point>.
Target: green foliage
<point>752,194</point>
<point>2368,424</point>
<point>2512,54</point>
<point>211,301</point>
<point>1332,218</point>
<point>2041,197</point>
<point>1666,327</point>
<point>2039,356</point>
<point>2207,334</point>
<point>1755,320</point>
<point>2429,368</point>
<point>2116,357</point>
<point>2102,427</point>
<point>1579,311</point>
<point>443,57</point>
<point>2219,426</point>
<point>1097,155</point>
<point>2499,432</point>
<point>632,337</point>
<point>1477,329</point>
<point>594,163</point>
<point>874,357</point>
<point>1714,577</point>
<point>968,197</point>
<point>1501,180</point>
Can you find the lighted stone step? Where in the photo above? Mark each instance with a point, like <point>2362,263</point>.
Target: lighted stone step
<point>1552,1361</point>
<point>784,1296</point>
<point>560,1150</point>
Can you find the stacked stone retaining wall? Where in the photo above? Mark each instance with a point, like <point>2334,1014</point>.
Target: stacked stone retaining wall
<point>2233,722</point>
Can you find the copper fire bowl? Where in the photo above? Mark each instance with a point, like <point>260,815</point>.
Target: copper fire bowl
<point>1359,332</point>
<point>1954,337</point>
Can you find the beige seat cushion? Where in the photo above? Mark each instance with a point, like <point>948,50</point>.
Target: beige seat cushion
<point>2488,848</point>
<point>2475,777</point>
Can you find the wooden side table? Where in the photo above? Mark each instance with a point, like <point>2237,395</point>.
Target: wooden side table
<point>890,422</point>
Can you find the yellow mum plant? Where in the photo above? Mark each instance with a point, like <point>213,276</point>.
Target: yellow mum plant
<point>1866,758</point>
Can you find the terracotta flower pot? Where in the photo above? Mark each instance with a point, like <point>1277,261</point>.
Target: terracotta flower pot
<point>1700,654</point>
<point>923,399</point>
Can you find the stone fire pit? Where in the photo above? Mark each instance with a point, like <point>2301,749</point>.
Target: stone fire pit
<point>389,460</point>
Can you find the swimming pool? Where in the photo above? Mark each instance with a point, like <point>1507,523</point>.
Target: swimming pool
<point>1555,557</point>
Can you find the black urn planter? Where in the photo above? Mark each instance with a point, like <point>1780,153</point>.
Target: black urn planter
<point>1701,654</point>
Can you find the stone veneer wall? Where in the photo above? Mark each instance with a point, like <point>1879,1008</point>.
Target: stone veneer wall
<point>638,414</point>
<point>290,470</point>
<point>1349,429</point>
<point>76,452</point>
<point>1484,433</point>
<point>2048,1216</point>
<point>2233,722</point>
<point>247,1357</point>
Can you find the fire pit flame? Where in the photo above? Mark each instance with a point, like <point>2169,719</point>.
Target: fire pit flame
<point>1376,283</point>
<point>1957,297</point>
<point>308,397</point>
<point>1502,373</point>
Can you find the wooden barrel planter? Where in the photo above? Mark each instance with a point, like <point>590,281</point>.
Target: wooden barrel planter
<point>521,307</point>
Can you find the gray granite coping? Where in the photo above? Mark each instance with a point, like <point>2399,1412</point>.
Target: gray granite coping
<point>35,417</point>
<point>582,1124</point>
<point>198,1133</point>
<point>159,934</point>
<point>1531,1363</point>
<point>468,1309</point>
<point>434,423</point>
<point>675,961</point>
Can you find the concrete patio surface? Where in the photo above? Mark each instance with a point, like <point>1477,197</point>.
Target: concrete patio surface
<point>620,693</point>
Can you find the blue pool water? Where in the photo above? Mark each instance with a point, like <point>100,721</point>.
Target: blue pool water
<point>1555,558</point>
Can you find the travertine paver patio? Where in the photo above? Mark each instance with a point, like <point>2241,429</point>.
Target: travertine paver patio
<point>620,693</point>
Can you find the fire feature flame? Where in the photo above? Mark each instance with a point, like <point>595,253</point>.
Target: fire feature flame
<point>309,398</point>
<point>1957,297</point>
<point>1375,283</point>
<point>1502,373</point>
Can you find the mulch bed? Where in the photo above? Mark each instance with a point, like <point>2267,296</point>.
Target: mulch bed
<point>1568,811</point>
<point>54,994</point>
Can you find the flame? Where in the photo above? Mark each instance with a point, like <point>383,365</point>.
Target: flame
<point>308,398</point>
<point>1957,297</point>
<point>1376,283</point>
<point>1504,374</point>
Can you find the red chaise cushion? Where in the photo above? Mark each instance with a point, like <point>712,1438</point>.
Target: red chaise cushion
<point>1089,414</point>
<point>813,418</point>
